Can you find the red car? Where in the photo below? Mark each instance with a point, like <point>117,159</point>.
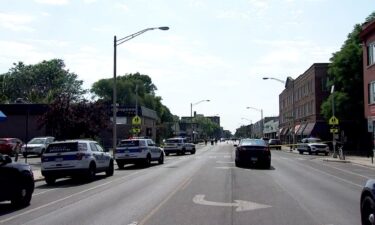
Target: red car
<point>9,146</point>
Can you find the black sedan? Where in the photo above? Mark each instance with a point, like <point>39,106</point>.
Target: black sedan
<point>368,203</point>
<point>16,182</point>
<point>253,152</point>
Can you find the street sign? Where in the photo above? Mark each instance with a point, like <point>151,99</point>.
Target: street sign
<point>136,120</point>
<point>136,130</point>
<point>333,121</point>
<point>334,130</point>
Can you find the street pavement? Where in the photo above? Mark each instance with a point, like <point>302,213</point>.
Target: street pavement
<point>205,188</point>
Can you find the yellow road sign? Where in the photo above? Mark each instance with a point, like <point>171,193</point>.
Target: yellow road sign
<point>136,120</point>
<point>333,121</point>
<point>136,130</point>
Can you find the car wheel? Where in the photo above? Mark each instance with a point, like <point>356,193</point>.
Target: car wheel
<point>326,153</point>
<point>147,161</point>
<point>109,171</point>
<point>267,164</point>
<point>91,172</point>
<point>237,163</point>
<point>300,152</point>
<point>23,195</point>
<point>24,154</point>
<point>161,159</point>
<point>167,154</point>
<point>183,151</point>
<point>50,180</point>
<point>310,152</point>
<point>120,165</point>
<point>193,152</point>
<point>367,210</point>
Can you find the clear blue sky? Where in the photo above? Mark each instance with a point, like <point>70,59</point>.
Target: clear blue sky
<point>215,49</point>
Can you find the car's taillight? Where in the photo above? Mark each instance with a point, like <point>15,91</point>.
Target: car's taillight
<point>80,156</point>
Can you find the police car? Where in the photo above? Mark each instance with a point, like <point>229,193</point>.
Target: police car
<point>138,151</point>
<point>75,158</point>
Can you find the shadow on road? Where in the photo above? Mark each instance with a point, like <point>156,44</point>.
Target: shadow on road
<point>7,208</point>
<point>72,182</point>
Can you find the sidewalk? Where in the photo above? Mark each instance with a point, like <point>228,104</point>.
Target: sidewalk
<point>358,160</point>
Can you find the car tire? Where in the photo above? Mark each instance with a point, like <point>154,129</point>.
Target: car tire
<point>267,165</point>
<point>147,161</point>
<point>50,180</point>
<point>183,151</point>
<point>367,208</point>
<point>110,170</point>
<point>309,152</point>
<point>161,159</point>
<point>91,173</point>
<point>326,153</point>
<point>237,163</point>
<point>23,195</point>
<point>167,153</point>
<point>300,152</point>
<point>120,165</point>
<point>192,152</point>
<point>24,154</point>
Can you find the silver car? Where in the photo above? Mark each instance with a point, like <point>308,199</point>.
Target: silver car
<point>312,146</point>
<point>36,146</point>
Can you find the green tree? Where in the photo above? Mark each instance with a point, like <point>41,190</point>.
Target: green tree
<point>208,128</point>
<point>80,119</point>
<point>40,83</point>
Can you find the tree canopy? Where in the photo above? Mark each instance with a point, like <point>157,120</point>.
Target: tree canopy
<point>39,83</point>
<point>126,93</point>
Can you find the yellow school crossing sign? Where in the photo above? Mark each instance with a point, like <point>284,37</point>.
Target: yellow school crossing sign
<point>136,120</point>
<point>333,121</point>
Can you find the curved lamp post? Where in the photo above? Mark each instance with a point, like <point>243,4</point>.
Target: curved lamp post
<point>261,117</point>
<point>191,115</point>
<point>117,42</point>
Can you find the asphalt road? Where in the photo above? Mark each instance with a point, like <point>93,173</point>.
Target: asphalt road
<point>201,189</point>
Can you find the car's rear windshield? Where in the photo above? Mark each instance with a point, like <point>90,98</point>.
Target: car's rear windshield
<point>314,140</point>
<point>65,147</point>
<point>37,141</point>
<point>129,143</point>
<point>173,141</point>
<point>253,142</point>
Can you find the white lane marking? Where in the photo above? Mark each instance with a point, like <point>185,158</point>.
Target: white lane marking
<point>225,167</point>
<point>240,204</point>
<point>133,223</point>
<point>44,192</point>
<point>67,197</point>
<point>227,156</point>
<point>224,162</point>
<point>328,174</point>
<point>347,171</point>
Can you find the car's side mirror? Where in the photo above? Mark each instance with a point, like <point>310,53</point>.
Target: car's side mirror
<point>235,145</point>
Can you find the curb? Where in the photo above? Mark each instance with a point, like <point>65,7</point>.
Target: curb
<point>38,179</point>
<point>335,160</point>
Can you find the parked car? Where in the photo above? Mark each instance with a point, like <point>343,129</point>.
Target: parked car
<point>179,146</point>
<point>312,146</point>
<point>367,203</point>
<point>36,146</point>
<point>10,146</point>
<point>138,151</point>
<point>253,152</point>
<point>16,182</point>
<point>274,143</point>
<point>75,158</point>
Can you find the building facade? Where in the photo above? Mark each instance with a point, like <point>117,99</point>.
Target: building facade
<point>368,44</point>
<point>299,105</point>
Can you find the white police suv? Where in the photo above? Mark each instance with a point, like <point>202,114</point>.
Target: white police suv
<point>138,151</point>
<point>75,158</point>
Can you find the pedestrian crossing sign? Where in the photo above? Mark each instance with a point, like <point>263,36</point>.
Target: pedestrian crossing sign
<point>333,121</point>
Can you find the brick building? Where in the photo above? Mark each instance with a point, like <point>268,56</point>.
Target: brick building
<point>299,105</point>
<point>368,44</point>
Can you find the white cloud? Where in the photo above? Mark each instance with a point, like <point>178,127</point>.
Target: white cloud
<point>233,14</point>
<point>123,6</point>
<point>16,22</point>
<point>89,1</point>
<point>52,2</point>
<point>259,4</point>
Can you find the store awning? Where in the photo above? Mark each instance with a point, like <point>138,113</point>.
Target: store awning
<point>286,131</point>
<point>301,129</point>
<point>308,129</point>
<point>281,130</point>
<point>296,128</point>
<point>3,117</point>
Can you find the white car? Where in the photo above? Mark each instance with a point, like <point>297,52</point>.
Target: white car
<point>75,158</point>
<point>138,151</point>
<point>36,146</point>
<point>312,146</point>
<point>179,146</point>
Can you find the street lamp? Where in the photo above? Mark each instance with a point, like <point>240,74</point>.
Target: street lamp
<point>114,106</point>
<point>261,116</point>
<point>191,114</point>
<point>293,116</point>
